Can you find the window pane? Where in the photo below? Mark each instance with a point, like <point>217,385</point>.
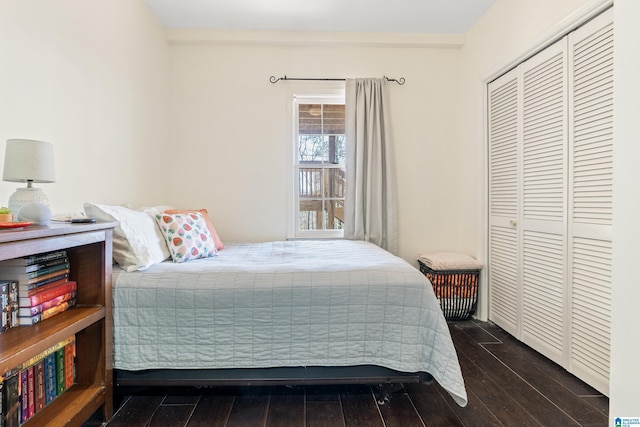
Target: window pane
<point>310,182</point>
<point>310,215</point>
<point>340,151</point>
<point>333,119</point>
<point>313,148</point>
<point>316,215</point>
<point>334,214</point>
<point>334,182</point>
<point>310,118</point>
<point>320,119</point>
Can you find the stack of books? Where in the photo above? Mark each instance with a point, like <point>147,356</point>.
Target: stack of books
<point>43,287</point>
<point>30,387</point>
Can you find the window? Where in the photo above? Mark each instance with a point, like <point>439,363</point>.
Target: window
<point>319,170</point>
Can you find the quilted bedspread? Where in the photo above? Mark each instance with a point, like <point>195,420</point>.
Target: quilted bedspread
<point>280,304</point>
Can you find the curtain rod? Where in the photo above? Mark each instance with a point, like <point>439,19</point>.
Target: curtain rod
<point>274,79</point>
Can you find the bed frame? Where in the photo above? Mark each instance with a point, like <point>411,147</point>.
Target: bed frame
<point>386,380</point>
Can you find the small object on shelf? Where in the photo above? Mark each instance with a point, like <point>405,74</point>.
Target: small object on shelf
<point>5,215</point>
<point>82,220</point>
<point>34,212</point>
<point>455,279</point>
<point>19,224</point>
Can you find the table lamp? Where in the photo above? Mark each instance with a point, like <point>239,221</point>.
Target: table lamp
<point>28,160</point>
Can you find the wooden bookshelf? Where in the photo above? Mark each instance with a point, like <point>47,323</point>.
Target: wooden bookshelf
<point>89,248</point>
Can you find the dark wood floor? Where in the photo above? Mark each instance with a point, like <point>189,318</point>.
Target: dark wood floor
<point>508,384</point>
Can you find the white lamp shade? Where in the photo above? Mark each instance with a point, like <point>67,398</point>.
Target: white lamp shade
<point>28,160</point>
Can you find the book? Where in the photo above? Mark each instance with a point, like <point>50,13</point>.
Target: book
<point>50,378</point>
<point>70,364</point>
<point>27,285</point>
<point>38,374</point>
<point>31,391</point>
<point>45,305</point>
<point>5,306</point>
<point>34,259</point>
<point>40,297</point>
<point>17,269</point>
<point>33,276</point>
<point>24,396</point>
<point>13,302</point>
<point>32,320</point>
<point>60,378</point>
<point>11,399</point>
<point>26,292</point>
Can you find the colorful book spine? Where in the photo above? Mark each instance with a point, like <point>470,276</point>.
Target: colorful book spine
<point>13,301</point>
<point>27,288</point>
<point>42,355</point>
<point>50,378</point>
<point>28,321</point>
<point>40,308</point>
<point>40,297</point>
<point>38,373</point>
<point>5,306</point>
<point>60,379</point>
<point>70,364</point>
<point>23,392</point>
<point>26,292</point>
<point>33,384</point>
<point>31,390</point>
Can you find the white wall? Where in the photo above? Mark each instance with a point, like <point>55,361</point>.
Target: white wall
<point>224,109</point>
<point>91,78</point>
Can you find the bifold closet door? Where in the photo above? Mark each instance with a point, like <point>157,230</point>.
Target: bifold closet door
<point>527,188</point>
<point>543,224</point>
<point>590,203</point>
<point>550,142</point>
<point>504,111</point>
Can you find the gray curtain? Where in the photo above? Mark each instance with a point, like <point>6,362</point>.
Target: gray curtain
<point>370,200</point>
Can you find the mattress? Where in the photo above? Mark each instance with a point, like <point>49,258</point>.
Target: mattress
<point>284,304</point>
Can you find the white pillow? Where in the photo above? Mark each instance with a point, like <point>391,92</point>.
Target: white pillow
<point>138,243</point>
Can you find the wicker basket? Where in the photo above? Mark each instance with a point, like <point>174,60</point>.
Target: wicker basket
<point>456,290</point>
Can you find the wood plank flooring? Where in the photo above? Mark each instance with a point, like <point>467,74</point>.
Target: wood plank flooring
<point>508,384</point>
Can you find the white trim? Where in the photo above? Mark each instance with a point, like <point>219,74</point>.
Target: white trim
<point>327,94</point>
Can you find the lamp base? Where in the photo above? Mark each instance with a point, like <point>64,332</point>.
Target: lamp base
<point>27,196</point>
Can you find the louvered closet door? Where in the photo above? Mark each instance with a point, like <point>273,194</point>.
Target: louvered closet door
<point>504,135</point>
<point>590,208</point>
<point>543,226</point>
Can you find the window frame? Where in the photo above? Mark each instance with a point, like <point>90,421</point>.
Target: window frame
<point>317,97</point>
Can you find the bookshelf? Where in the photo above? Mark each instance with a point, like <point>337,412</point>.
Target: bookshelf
<point>89,248</point>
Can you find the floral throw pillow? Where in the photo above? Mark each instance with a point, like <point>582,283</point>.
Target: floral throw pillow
<point>187,236</point>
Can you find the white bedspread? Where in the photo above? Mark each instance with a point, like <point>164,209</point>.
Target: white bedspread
<point>277,304</point>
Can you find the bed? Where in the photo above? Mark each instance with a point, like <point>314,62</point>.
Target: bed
<point>291,312</point>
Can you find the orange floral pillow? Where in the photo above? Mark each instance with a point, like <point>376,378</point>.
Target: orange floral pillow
<point>205,215</point>
<point>187,236</point>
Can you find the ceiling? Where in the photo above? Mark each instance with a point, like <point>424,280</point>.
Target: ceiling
<point>397,16</point>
